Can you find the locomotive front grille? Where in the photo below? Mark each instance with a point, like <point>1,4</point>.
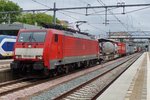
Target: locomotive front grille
<point>29,52</point>
<point>27,56</point>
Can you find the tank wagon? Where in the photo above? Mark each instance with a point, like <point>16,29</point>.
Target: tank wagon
<point>108,48</point>
<point>52,50</point>
<point>113,49</point>
<point>129,48</point>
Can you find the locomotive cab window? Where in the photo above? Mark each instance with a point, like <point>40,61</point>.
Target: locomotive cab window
<point>56,37</point>
<point>32,36</point>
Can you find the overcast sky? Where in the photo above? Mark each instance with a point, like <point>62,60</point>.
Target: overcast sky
<point>134,21</point>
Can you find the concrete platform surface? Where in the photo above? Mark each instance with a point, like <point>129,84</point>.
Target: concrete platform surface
<point>133,84</point>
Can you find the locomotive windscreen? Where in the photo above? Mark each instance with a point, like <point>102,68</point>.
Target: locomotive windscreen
<point>32,37</point>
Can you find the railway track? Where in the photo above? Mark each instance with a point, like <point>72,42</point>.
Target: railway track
<point>9,87</point>
<point>18,84</point>
<point>14,85</point>
<point>94,87</point>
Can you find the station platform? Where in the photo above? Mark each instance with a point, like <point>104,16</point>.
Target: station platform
<point>133,84</point>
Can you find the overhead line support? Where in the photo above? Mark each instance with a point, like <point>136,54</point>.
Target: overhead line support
<point>54,15</point>
<point>75,8</point>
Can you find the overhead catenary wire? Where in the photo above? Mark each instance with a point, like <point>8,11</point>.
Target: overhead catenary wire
<point>86,4</point>
<point>137,10</point>
<point>83,1</point>
<point>51,8</point>
<point>139,30</point>
<point>41,3</point>
<point>90,5</point>
<point>132,11</point>
<point>97,12</point>
<point>74,12</point>
<point>100,1</point>
<point>125,13</point>
<point>95,27</point>
<point>67,15</point>
<point>59,9</point>
<point>75,8</point>
<point>103,4</point>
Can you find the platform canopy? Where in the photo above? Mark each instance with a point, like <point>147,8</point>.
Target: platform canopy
<point>12,29</point>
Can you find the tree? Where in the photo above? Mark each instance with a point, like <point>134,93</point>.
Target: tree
<point>6,5</point>
<point>38,18</point>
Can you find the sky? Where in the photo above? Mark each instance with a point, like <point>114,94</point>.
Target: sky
<point>134,21</point>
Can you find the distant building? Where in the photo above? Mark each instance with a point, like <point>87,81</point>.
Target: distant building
<point>12,29</point>
<point>121,35</point>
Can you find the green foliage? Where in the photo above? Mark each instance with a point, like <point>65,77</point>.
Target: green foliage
<point>29,18</point>
<point>36,18</point>
<point>6,5</point>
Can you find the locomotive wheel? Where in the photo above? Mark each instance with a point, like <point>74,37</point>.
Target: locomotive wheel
<point>15,71</point>
<point>46,72</point>
<point>60,70</point>
<point>86,64</point>
<point>53,73</point>
<point>66,69</point>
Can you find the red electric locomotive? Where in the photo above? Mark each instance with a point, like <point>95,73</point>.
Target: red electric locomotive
<point>53,50</point>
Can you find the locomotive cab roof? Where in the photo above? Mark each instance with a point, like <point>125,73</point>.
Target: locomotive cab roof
<point>66,31</point>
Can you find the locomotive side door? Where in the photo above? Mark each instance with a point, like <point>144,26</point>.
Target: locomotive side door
<point>58,39</point>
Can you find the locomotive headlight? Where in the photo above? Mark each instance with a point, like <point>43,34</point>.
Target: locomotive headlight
<point>39,57</point>
<point>18,56</point>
